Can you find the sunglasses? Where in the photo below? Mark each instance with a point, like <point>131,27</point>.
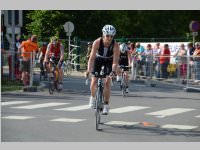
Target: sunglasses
<point>109,36</point>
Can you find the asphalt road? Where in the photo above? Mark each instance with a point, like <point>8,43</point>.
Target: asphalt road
<point>147,114</point>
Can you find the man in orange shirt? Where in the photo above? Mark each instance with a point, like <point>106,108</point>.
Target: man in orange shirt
<point>28,48</point>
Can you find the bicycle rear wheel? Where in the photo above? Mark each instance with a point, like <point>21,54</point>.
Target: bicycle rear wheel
<point>68,70</point>
<point>51,86</point>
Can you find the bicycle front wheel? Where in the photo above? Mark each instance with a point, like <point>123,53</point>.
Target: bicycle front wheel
<point>99,107</point>
<point>123,87</point>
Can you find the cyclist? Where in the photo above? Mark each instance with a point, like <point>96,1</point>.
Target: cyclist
<point>42,52</point>
<point>105,52</point>
<point>89,48</point>
<point>27,47</point>
<point>55,50</point>
<point>125,60</point>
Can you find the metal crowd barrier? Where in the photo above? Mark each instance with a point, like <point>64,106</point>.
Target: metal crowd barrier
<point>11,63</point>
<point>181,70</point>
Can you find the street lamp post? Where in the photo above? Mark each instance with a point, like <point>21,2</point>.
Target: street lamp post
<point>69,28</point>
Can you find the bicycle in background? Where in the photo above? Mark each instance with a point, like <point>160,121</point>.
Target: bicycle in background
<point>67,67</point>
<point>122,82</point>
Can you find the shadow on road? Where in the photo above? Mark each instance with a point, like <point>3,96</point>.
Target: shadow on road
<point>136,130</point>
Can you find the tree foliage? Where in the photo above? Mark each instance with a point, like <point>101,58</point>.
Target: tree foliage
<point>129,23</point>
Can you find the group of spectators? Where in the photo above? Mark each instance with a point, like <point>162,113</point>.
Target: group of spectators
<point>154,60</point>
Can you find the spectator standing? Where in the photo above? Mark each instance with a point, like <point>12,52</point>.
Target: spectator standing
<point>156,53</point>
<point>28,49</point>
<point>191,60</point>
<point>164,60</point>
<point>140,58</point>
<point>181,54</point>
<point>196,57</point>
<point>149,60</point>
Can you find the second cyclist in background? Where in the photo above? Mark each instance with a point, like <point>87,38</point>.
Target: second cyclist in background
<point>55,49</point>
<point>124,60</point>
<point>42,52</point>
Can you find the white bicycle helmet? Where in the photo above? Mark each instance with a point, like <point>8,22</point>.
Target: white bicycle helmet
<point>123,48</point>
<point>109,30</point>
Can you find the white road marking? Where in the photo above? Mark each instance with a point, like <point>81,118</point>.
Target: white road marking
<point>197,116</point>
<point>76,108</point>
<point>169,112</point>
<point>127,109</point>
<point>18,117</point>
<point>13,103</point>
<point>68,120</point>
<point>182,127</point>
<point>121,123</point>
<point>35,106</point>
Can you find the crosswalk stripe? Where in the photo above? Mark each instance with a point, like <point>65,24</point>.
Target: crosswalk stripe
<point>182,127</point>
<point>13,103</point>
<point>169,112</point>
<point>76,108</point>
<point>18,117</point>
<point>35,106</point>
<point>197,116</point>
<point>68,120</point>
<point>121,123</point>
<point>127,109</point>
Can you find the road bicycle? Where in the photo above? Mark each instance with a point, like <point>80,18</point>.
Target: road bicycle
<point>43,72</point>
<point>99,97</point>
<point>53,78</point>
<point>122,82</point>
<point>67,67</point>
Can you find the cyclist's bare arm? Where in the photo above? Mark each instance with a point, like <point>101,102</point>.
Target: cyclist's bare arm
<point>95,47</point>
<point>129,58</point>
<point>47,53</point>
<point>116,53</point>
<point>61,52</point>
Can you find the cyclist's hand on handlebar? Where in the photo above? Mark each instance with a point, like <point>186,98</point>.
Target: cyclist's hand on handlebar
<point>87,73</point>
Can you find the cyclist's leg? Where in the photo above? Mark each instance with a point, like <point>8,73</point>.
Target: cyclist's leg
<point>107,91</point>
<point>60,72</point>
<point>93,86</point>
<point>60,78</point>
<point>119,77</point>
<point>127,80</point>
<point>107,88</point>
<point>93,92</point>
<point>49,72</point>
<point>97,68</point>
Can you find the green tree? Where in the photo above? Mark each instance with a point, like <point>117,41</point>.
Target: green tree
<point>45,23</point>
